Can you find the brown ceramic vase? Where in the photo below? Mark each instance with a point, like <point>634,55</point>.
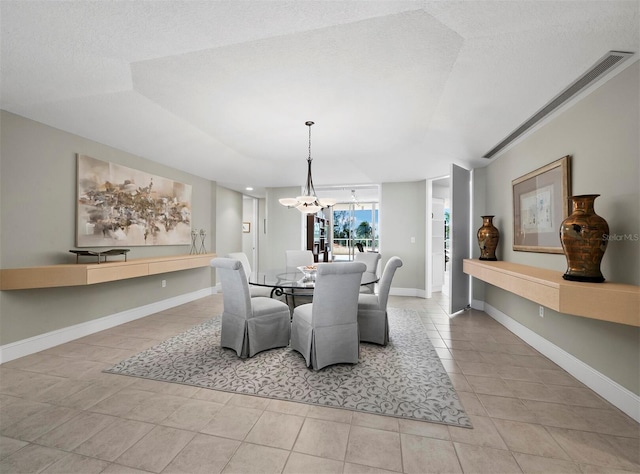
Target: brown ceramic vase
<point>584,239</point>
<point>488,237</point>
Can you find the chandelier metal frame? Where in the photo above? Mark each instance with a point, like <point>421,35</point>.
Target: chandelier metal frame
<point>308,203</point>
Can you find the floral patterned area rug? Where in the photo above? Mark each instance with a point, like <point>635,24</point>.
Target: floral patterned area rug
<point>405,379</point>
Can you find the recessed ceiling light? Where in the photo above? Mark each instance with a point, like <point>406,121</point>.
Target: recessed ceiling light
<point>249,188</point>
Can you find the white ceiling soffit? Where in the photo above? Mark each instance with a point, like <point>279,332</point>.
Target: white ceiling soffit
<point>398,90</point>
<point>344,194</point>
<point>603,66</point>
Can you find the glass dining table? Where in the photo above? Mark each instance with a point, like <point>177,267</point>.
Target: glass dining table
<point>293,282</point>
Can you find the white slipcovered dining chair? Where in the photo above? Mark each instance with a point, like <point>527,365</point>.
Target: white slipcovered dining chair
<point>372,309</point>
<point>295,259</point>
<point>371,260</point>
<point>253,290</point>
<point>298,258</point>
<point>325,332</point>
<point>249,325</point>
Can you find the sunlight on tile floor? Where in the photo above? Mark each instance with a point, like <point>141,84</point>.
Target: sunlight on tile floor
<point>60,414</point>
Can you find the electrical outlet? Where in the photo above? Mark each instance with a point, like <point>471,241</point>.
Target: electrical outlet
<point>164,283</point>
<point>541,311</point>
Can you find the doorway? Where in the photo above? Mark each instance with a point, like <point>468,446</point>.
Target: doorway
<point>355,229</point>
<point>457,244</point>
<point>440,237</point>
<point>355,218</point>
<point>250,232</point>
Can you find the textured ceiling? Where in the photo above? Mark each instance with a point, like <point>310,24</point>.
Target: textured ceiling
<point>398,89</point>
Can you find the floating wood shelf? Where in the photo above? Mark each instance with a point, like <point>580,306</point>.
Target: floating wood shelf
<point>615,302</point>
<point>52,276</point>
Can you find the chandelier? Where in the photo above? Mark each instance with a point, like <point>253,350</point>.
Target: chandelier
<point>308,203</point>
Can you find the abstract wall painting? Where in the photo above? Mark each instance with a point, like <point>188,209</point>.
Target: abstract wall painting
<point>119,206</point>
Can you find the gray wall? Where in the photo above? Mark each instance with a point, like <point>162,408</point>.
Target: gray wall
<point>247,216</point>
<point>283,230</point>
<point>403,211</point>
<point>229,221</point>
<point>260,229</point>
<point>37,211</point>
<point>601,133</point>
<point>441,189</point>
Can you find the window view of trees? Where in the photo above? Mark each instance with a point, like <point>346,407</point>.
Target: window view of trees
<point>354,226</point>
<point>341,225</point>
<point>364,230</point>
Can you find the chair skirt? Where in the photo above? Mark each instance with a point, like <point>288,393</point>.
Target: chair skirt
<point>325,346</point>
<point>374,326</point>
<point>247,337</point>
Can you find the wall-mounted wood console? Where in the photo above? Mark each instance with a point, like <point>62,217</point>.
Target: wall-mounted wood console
<point>88,274</point>
<point>615,302</point>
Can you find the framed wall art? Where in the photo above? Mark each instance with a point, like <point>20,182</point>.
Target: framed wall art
<point>120,206</point>
<point>540,204</point>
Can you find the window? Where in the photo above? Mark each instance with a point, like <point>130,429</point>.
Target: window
<point>355,224</point>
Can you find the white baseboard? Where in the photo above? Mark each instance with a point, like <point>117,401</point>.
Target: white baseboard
<point>47,340</point>
<point>477,304</point>
<point>415,292</point>
<point>613,392</point>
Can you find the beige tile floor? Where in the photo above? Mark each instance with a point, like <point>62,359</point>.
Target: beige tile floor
<point>61,414</point>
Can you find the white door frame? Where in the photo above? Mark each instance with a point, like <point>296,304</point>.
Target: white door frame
<point>255,242</point>
<point>429,259</point>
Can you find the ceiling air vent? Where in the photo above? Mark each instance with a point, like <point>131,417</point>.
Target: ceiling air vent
<point>605,64</point>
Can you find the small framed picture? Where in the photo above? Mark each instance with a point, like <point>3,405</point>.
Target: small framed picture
<point>246,227</point>
<point>540,204</point>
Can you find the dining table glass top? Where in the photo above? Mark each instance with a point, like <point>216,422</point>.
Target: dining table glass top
<point>293,279</point>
